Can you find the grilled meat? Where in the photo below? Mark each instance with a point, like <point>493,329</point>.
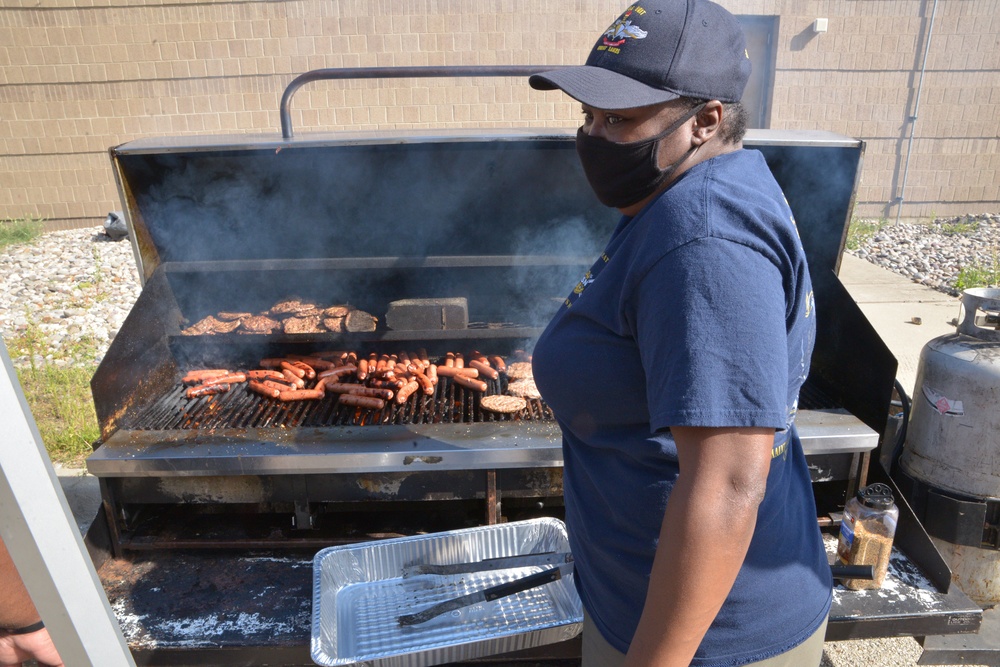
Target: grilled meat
<point>523,388</point>
<point>259,324</point>
<point>298,325</point>
<point>210,325</point>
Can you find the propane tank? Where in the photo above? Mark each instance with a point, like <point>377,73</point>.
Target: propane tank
<point>950,463</point>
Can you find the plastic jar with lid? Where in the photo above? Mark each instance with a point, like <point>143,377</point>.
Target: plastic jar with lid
<point>866,533</point>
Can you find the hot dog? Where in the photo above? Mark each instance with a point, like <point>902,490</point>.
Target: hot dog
<point>362,401</point>
<point>362,369</point>
<point>471,383</point>
<point>310,372</point>
<point>265,375</point>
<point>484,369</point>
<point>360,390</point>
<point>335,373</point>
<point>260,388</point>
<point>278,385</point>
<point>232,378</point>
<point>314,362</point>
<point>432,374</point>
<point>291,367</point>
<point>450,371</point>
<point>424,382</point>
<point>404,393</point>
<point>293,378</point>
<point>498,363</point>
<point>206,390</point>
<point>300,395</point>
<point>198,376</point>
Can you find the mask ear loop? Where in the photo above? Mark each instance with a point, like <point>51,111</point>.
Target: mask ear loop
<point>655,154</point>
<point>692,112</point>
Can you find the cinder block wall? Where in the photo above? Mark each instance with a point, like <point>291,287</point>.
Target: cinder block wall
<point>861,78</point>
<point>80,76</point>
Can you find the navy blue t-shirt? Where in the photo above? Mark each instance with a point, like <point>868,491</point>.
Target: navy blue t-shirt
<point>698,313</point>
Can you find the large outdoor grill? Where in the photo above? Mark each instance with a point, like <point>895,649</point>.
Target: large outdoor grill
<point>214,507</point>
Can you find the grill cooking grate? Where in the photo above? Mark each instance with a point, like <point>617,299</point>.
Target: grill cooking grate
<point>242,409</point>
<point>449,404</point>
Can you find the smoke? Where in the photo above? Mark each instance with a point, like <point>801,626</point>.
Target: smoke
<point>512,225</point>
<point>575,245</point>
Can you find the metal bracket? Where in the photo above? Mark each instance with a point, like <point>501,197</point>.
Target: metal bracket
<point>304,517</point>
<point>966,521</point>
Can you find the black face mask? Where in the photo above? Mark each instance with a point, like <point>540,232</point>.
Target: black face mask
<point>623,174</point>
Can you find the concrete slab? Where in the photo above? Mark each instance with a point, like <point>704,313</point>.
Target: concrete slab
<point>83,494</point>
<point>893,304</point>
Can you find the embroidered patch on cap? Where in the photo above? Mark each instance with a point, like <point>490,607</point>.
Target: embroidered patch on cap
<point>622,30</point>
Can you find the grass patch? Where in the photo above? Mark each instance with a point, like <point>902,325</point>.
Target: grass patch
<point>19,230</point>
<point>979,275</point>
<point>958,228</point>
<point>59,395</point>
<point>862,230</point>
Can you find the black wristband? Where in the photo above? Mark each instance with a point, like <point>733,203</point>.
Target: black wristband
<point>27,630</point>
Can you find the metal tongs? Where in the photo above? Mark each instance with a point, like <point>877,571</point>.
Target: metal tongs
<point>563,565</point>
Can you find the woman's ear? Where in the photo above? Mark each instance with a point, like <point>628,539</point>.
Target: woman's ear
<point>707,122</point>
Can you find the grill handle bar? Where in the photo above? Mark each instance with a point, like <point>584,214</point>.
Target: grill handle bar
<point>395,73</point>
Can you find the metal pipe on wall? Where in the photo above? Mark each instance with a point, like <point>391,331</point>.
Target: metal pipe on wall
<point>913,118</point>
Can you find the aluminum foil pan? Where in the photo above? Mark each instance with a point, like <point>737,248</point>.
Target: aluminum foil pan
<point>359,593</point>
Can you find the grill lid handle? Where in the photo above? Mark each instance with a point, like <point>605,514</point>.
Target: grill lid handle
<point>396,73</point>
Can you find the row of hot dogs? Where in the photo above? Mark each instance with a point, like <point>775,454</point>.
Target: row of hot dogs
<point>360,381</point>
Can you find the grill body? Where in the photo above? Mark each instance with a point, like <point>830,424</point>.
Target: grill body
<point>194,490</point>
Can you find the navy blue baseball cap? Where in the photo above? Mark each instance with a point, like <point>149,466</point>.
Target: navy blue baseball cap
<point>657,51</point>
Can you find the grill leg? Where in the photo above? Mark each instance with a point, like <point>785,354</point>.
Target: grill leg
<point>859,473</point>
<point>114,519</point>
<point>493,515</point>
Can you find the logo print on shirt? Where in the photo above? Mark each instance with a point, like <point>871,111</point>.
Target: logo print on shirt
<point>779,450</point>
<point>588,278</point>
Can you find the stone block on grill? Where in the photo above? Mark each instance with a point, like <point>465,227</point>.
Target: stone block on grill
<point>423,314</point>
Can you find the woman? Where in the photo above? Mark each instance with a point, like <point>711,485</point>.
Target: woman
<point>688,500</point>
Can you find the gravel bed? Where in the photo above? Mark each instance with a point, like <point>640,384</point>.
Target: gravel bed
<point>68,290</point>
<point>933,254</point>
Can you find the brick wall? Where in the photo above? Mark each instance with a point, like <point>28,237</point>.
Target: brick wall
<point>861,77</point>
<point>79,76</point>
